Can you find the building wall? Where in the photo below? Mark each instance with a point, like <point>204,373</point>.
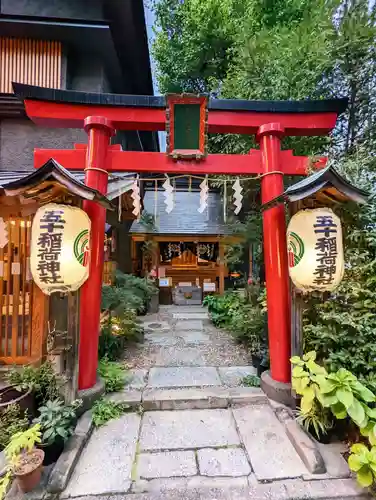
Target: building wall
<point>86,72</point>
<point>18,138</point>
<point>69,9</point>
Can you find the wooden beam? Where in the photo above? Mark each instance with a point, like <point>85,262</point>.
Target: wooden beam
<point>39,323</point>
<point>216,164</point>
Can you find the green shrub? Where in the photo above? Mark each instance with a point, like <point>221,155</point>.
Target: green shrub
<point>110,346</point>
<point>113,374</point>
<point>127,293</point>
<point>127,327</point>
<point>244,317</point>
<point>12,420</point>
<point>42,379</point>
<point>105,410</point>
<point>116,333</point>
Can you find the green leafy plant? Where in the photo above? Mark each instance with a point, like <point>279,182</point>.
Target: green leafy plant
<point>42,379</point>
<point>127,327</point>
<point>57,420</point>
<point>317,420</point>
<point>363,461</point>
<point>105,410</point>
<point>340,391</point>
<point>113,374</point>
<point>21,444</point>
<point>12,420</point>
<point>111,346</point>
<point>251,381</point>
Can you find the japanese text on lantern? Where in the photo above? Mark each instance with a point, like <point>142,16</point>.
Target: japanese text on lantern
<point>326,248</point>
<point>49,247</point>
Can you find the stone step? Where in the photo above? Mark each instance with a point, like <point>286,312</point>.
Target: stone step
<point>191,398</point>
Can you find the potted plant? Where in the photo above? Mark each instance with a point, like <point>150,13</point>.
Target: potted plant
<point>21,396</point>
<point>57,421</point>
<point>24,461</point>
<point>30,386</point>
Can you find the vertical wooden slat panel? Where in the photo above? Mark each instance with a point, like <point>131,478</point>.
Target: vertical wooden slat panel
<point>8,289</point>
<point>15,276</point>
<point>23,285</point>
<point>36,62</point>
<point>18,320</point>
<point>29,288</point>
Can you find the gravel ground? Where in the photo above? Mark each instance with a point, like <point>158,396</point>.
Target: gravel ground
<point>217,348</point>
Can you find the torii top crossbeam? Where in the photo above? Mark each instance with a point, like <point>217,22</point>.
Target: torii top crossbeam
<point>101,114</point>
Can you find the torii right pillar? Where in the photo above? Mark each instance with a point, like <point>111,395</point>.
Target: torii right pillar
<point>277,382</point>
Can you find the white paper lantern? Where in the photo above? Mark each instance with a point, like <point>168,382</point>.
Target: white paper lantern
<point>315,250</point>
<point>59,256</point>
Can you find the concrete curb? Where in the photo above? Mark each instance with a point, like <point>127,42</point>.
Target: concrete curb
<point>305,447</point>
<point>64,467</point>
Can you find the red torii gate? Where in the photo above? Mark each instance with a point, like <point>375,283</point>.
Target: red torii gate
<point>101,114</point>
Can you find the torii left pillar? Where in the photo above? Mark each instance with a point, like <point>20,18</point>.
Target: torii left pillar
<point>99,130</point>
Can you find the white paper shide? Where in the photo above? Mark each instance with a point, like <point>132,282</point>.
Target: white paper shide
<point>315,250</point>
<point>60,239</point>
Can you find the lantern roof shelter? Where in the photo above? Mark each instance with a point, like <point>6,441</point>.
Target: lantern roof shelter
<point>21,193</point>
<point>326,186</point>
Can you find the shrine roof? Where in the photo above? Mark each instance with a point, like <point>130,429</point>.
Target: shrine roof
<point>327,186</point>
<point>184,218</point>
<point>118,182</point>
<point>24,91</point>
<point>42,184</point>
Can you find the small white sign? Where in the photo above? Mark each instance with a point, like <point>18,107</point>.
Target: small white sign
<point>210,287</point>
<point>16,268</point>
<point>164,282</point>
<point>184,283</point>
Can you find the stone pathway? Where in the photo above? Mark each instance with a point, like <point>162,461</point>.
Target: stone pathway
<point>196,433</point>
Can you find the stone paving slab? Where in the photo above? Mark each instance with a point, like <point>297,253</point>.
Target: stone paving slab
<point>271,453</point>
<point>192,337</point>
<point>184,316</point>
<point>185,399</point>
<point>156,338</point>
<point>166,464</point>
<point>232,376</point>
<point>247,395</point>
<point>183,377</point>
<point>105,465</point>
<point>193,324</point>
<point>171,356</point>
<point>137,379</point>
<point>171,430</point>
<point>130,397</point>
<point>183,485</point>
<point>223,462</point>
